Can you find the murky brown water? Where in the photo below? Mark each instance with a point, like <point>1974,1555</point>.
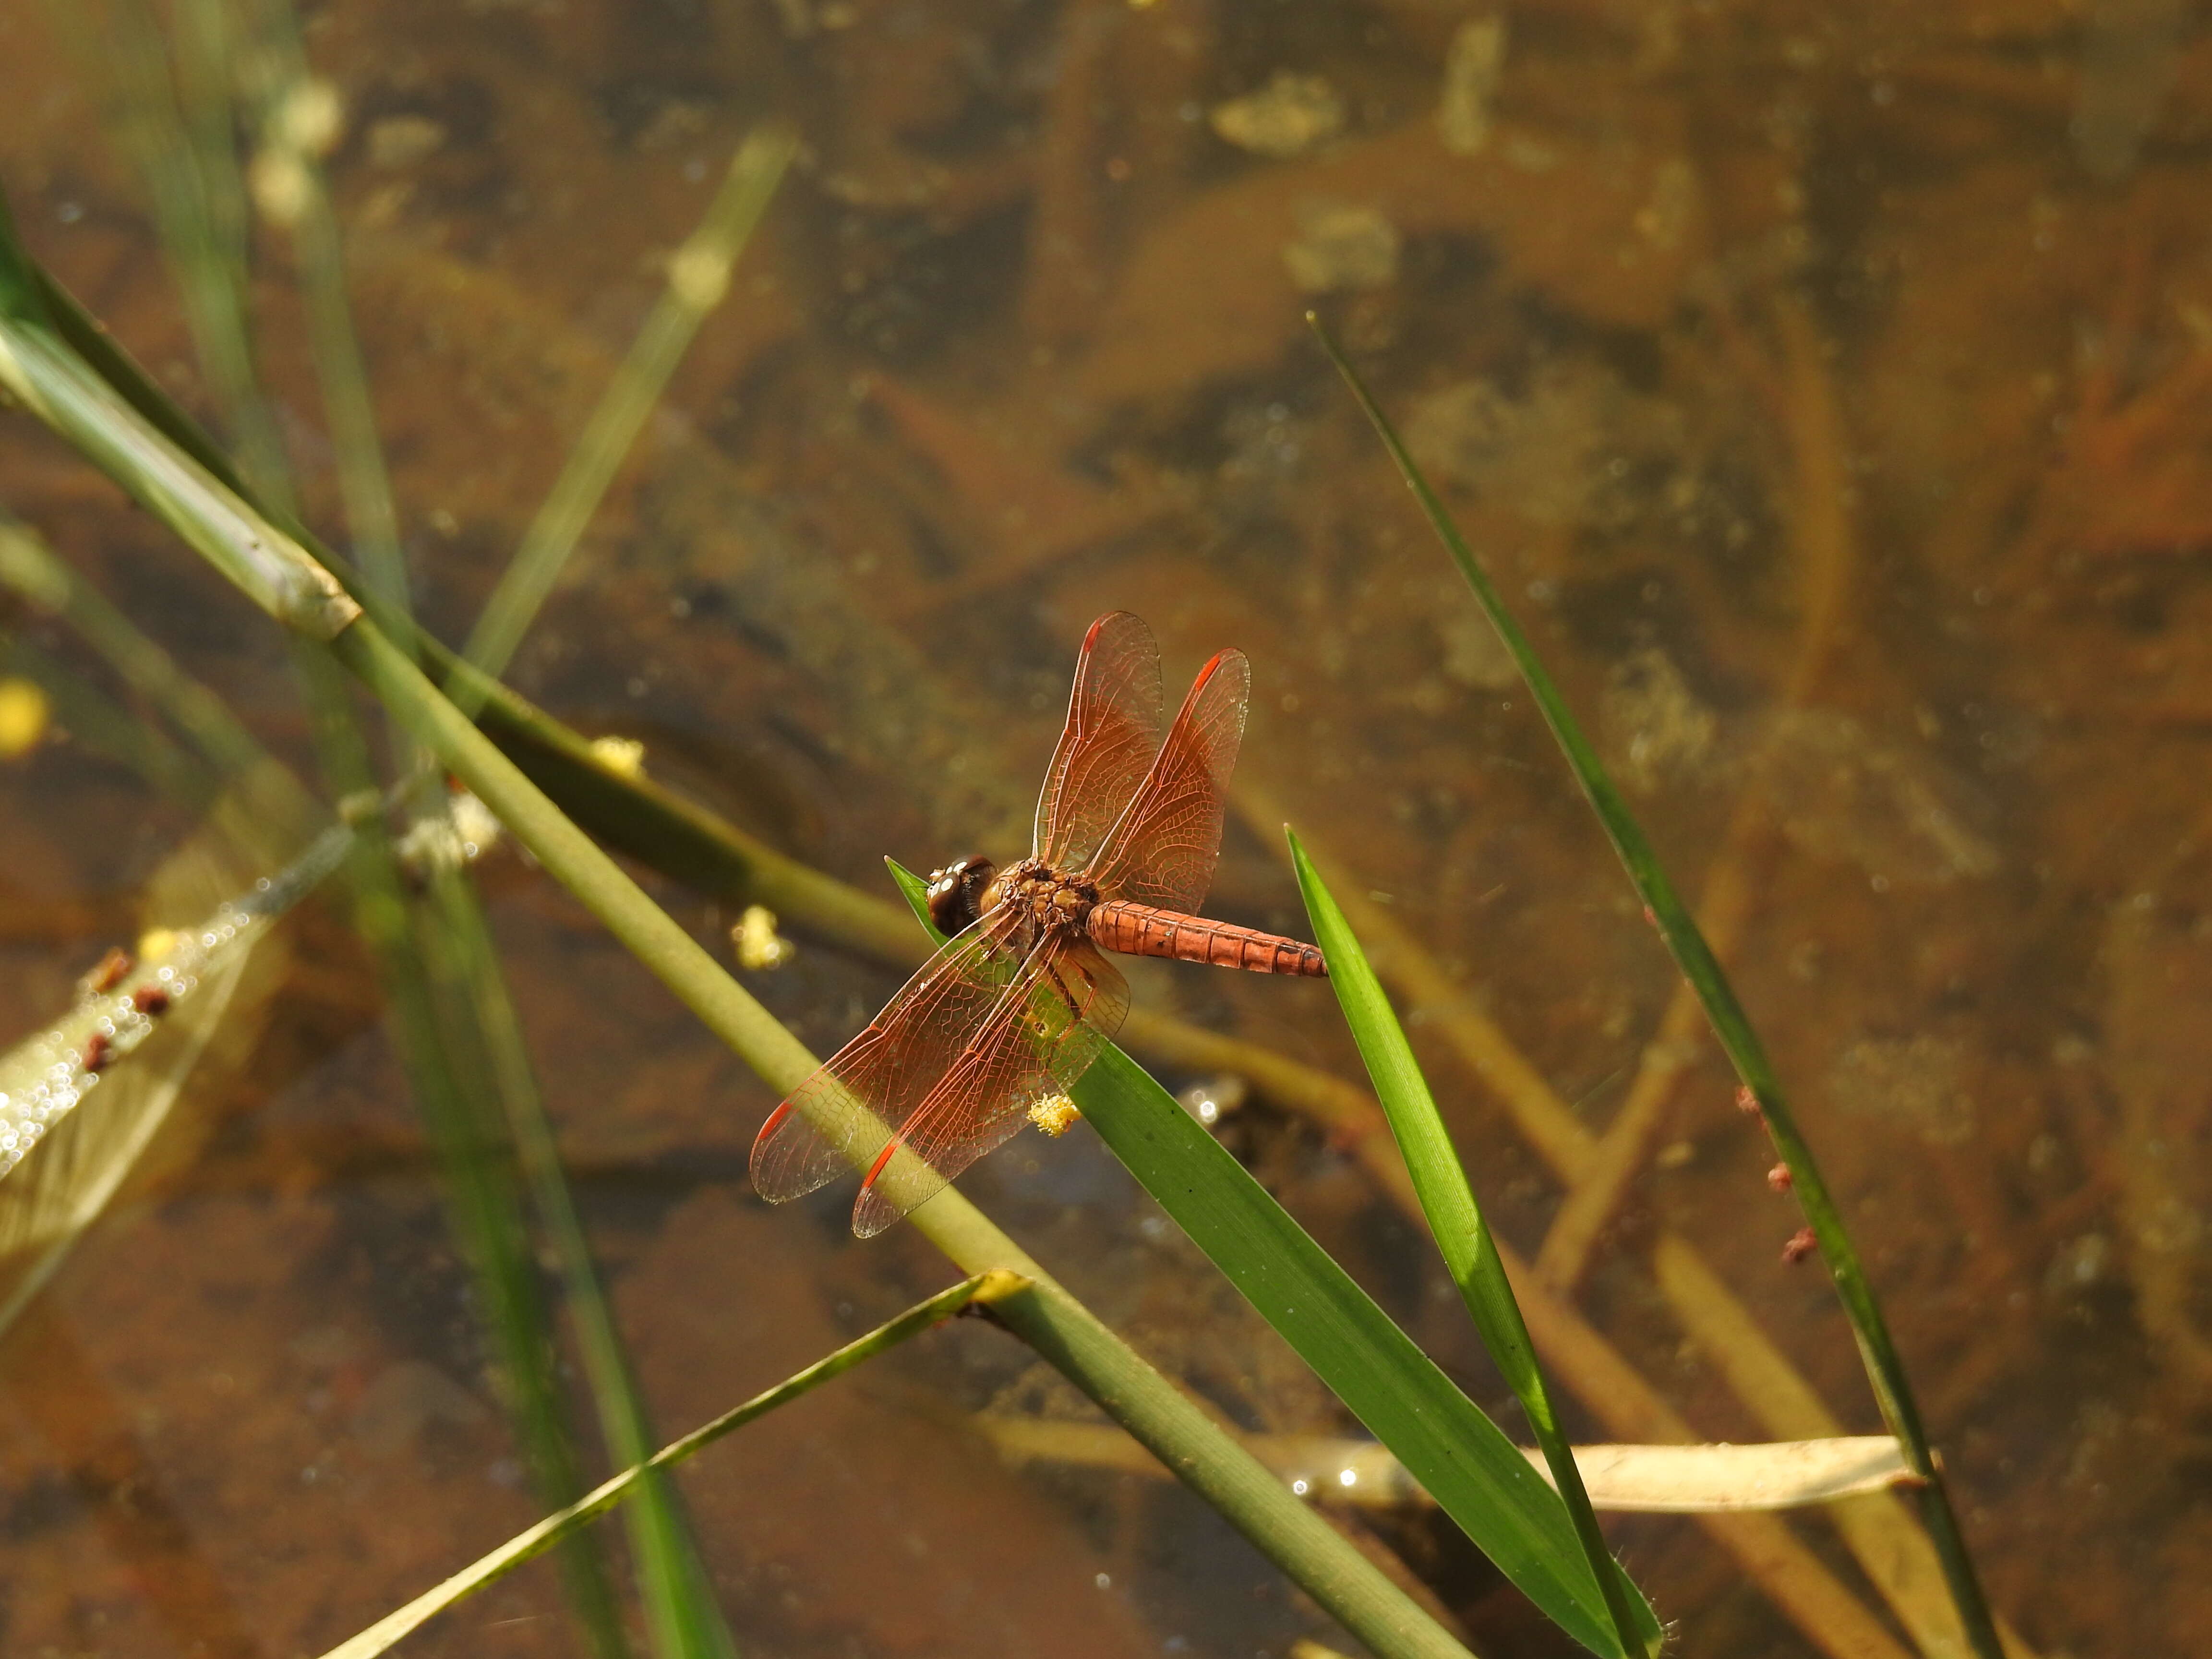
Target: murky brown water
<point>1830,389</point>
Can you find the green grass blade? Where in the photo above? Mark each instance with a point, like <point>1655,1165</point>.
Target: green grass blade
<point>1462,1235</point>
<point>268,565</point>
<point>1464,1460</point>
<point>1685,943</point>
<point>536,1541</point>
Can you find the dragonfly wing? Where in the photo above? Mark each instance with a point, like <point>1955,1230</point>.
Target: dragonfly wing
<point>1113,727</point>
<point>1045,1029</point>
<point>1163,849</point>
<point>844,1113</point>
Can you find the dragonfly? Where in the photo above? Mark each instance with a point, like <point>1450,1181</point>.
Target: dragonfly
<point>1012,1009</point>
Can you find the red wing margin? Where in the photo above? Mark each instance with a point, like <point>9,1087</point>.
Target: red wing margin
<point>841,1117</point>
<point>1113,727</point>
<point>1163,850</point>
<point>1045,1029</point>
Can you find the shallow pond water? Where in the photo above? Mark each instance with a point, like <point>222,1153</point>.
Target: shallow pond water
<point>1827,389</point>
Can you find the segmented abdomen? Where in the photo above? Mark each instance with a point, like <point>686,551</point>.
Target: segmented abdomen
<point>1139,930</point>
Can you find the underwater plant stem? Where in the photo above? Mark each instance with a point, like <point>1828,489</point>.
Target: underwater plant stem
<point>536,1541</point>
<point>445,1076</point>
<point>1679,930</point>
<point>698,281</point>
<point>674,1583</point>
<point>364,484</point>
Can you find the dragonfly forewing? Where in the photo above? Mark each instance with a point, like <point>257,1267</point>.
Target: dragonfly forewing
<point>1163,850</point>
<point>1041,1037</point>
<point>843,1116</point>
<point>1113,727</point>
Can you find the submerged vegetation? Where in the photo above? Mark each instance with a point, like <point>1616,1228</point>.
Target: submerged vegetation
<point>801,592</point>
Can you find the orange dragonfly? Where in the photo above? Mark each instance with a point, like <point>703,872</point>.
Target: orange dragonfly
<point>1020,1000</point>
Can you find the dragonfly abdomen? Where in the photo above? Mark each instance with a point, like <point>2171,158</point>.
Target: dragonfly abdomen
<point>1140,930</point>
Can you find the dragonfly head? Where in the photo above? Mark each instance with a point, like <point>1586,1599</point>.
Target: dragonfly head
<point>956,893</point>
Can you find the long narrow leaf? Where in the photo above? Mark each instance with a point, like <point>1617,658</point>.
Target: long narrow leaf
<point>1464,1460</point>
<point>1685,942</point>
<point>1462,1235</point>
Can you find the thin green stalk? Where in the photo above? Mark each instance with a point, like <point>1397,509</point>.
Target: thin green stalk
<point>1685,943</point>
<point>300,118</point>
<point>536,1541</point>
<point>1168,1423</point>
<point>197,211</point>
<point>698,279</point>
<point>206,54</point>
<point>1462,1233</point>
<point>272,569</point>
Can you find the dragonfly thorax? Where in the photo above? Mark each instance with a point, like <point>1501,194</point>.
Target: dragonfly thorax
<point>1044,897</point>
